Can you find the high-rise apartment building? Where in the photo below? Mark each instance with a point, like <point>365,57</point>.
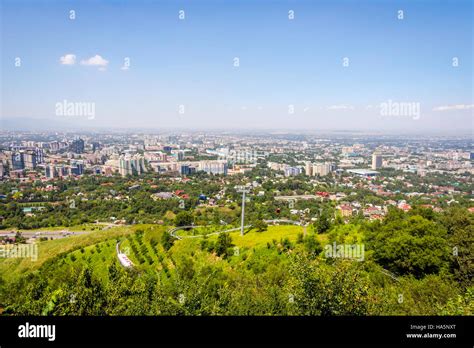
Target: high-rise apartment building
<point>376,161</point>
<point>16,161</point>
<point>95,146</point>
<point>50,171</point>
<point>213,167</point>
<point>292,171</point>
<point>77,168</point>
<point>77,146</point>
<point>30,159</point>
<point>131,165</point>
<point>323,169</point>
<point>308,168</point>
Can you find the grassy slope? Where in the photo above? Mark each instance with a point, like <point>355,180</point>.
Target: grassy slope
<point>13,267</point>
<point>145,256</point>
<point>148,253</point>
<point>98,256</point>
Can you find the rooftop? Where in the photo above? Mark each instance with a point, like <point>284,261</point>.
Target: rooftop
<point>363,172</point>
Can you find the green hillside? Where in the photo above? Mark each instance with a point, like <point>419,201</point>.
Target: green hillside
<point>279,270</point>
<point>10,268</point>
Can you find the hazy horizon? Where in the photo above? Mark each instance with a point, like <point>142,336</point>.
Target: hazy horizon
<point>28,125</point>
<point>322,65</point>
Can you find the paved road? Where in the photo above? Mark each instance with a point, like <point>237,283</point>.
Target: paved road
<point>54,233</point>
<point>43,233</point>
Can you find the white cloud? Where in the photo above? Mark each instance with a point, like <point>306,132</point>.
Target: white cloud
<point>454,107</point>
<point>68,59</point>
<point>340,107</point>
<point>95,61</point>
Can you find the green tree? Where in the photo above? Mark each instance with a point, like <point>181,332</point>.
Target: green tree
<point>183,218</point>
<point>460,227</point>
<point>312,245</point>
<point>259,225</point>
<point>323,224</point>
<point>321,289</point>
<point>410,245</point>
<point>167,240</point>
<point>224,245</point>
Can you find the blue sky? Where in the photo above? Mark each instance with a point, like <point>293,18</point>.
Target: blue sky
<point>282,62</point>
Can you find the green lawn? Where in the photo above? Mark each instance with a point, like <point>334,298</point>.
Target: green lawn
<point>254,239</point>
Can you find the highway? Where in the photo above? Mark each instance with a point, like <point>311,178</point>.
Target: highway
<point>43,233</point>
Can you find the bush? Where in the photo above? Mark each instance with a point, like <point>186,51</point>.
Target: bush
<point>167,240</point>
<point>224,245</point>
<point>312,245</point>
